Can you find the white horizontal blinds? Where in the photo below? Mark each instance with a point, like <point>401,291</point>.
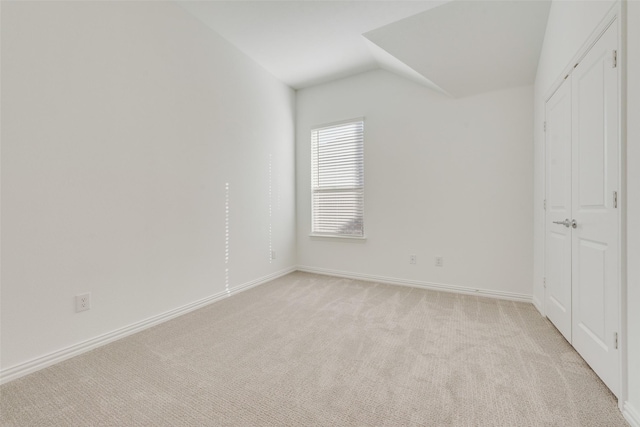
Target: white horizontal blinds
<point>337,179</point>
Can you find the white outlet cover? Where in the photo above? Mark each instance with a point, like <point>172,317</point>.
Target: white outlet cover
<point>83,302</point>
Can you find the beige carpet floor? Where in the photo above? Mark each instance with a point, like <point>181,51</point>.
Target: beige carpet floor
<point>309,350</point>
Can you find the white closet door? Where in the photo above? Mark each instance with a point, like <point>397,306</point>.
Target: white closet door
<point>558,236</point>
<point>595,240</point>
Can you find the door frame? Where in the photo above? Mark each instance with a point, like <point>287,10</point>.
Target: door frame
<point>615,16</point>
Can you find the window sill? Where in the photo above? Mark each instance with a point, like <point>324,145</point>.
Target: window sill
<point>330,238</point>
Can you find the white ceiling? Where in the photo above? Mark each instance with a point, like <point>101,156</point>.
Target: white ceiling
<point>459,47</point>
<point>469,47</point>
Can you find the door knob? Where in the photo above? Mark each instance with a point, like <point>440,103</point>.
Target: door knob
<point>566,223</point>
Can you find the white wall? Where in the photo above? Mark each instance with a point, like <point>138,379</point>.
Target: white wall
<point>121,124</point>
<point>442,177</point>
<point>633,208</point>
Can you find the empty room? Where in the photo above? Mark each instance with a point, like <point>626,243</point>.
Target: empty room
<point>310,212</point>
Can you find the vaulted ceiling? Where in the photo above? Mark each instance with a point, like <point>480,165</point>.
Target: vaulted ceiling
<point>458,47</point>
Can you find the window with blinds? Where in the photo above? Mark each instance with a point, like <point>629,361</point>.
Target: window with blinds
<point>337,179</point>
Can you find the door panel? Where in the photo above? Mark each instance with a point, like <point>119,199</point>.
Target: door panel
<point>559,285</point>
<point>591,260</point>
<point>591,150</point>
<point>558,237</point>
<point>595,241</point>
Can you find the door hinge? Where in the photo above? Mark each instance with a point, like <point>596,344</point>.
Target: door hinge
<point>544,204</point>
<point>615,59</point>
<point>544,282</point>
<point>615,199</point>
<point>615,340</point>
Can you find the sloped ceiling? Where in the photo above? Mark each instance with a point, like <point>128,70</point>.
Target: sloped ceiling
<point>457,47</point>
<point>469,47</point>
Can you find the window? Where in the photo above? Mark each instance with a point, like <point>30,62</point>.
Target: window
<point>337,179</point>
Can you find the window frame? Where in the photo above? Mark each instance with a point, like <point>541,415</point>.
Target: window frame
<point>314,190</point>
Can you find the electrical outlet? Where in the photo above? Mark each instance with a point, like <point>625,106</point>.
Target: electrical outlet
<point>439,261</point>
<point>83,302</point>
<point>273,254</point>
<point>412,259</point>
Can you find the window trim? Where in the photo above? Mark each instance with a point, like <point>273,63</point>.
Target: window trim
<point>344,237</point>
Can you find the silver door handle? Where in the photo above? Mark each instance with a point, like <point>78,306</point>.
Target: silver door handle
<point>567,223</point>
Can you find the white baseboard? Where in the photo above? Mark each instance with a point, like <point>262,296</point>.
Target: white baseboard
<point>631,415</point>
<point>512,296</point>
<point>38,363</point>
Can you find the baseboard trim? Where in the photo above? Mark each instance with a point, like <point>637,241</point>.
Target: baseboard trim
<point>22,369</point>
<point>511,296</point>
<point>631,415</point>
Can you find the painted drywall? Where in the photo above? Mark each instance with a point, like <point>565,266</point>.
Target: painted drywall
<point>121,125</point>
<point>443,177</point>
<point>569,25</point>
<point>633,210</point>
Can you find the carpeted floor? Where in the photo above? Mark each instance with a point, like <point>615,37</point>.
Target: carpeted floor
<point>309,350</point>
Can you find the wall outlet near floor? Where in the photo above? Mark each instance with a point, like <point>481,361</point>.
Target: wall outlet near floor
<point>273,254</point>
<point>83,302</point>
<point>439,261</point>
<point>412,259</point>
